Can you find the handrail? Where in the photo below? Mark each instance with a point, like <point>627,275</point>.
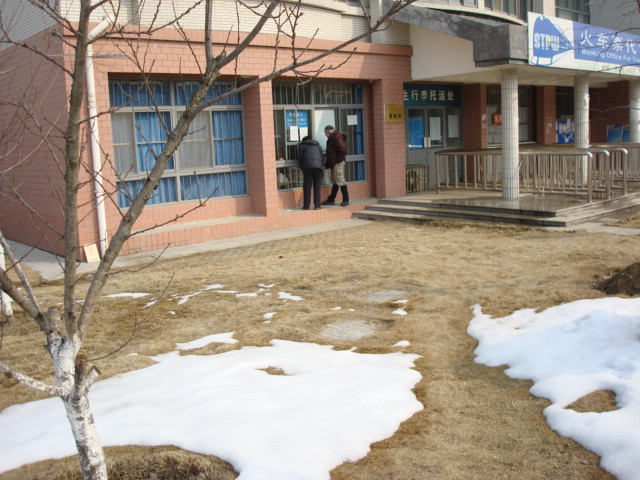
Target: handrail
<point>568,170</point>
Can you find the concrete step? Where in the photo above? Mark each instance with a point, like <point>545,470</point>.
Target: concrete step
<point>425,211</point>
<point>409,213</point>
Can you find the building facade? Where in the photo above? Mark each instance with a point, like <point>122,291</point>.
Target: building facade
<point>454,74</point>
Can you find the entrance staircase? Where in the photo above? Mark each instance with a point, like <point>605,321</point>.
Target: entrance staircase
<point>531,209</point>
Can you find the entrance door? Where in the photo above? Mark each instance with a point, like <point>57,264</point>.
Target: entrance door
<point>425,135</point>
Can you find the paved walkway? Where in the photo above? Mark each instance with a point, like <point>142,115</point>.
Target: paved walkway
<point>51,266</point>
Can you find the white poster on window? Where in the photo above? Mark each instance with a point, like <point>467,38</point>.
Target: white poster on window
<point>435,129</point>
<point>304,131</point>
<point>321,118</point>
<point>352,120</point>
<point>453,126</point>
<point>293,134</point>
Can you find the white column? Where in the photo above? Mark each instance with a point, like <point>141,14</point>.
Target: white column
<point>510,146</point>
<point>581,110</point>
<point>634,111</point>
<point>581,124</point>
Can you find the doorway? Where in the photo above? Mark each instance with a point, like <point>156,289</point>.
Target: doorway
<point>425,136</point>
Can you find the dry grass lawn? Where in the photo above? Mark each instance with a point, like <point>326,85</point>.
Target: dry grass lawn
<point>476,424</point>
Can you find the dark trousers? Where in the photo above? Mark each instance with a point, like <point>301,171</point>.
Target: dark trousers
<point>311,177</point>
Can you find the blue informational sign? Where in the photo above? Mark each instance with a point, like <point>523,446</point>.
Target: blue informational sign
<point>303,119</point>
<point>297,118</point>
<point>618,133</point>
<point>432,95</point>
<point>556,42</point>
<point>565,132</point>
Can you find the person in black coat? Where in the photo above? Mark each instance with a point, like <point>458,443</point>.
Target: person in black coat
<point>310,161</point>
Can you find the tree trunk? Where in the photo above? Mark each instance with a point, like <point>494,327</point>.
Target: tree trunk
<point>91,455</point>
<point>7,310</point>
<point>72,376</point>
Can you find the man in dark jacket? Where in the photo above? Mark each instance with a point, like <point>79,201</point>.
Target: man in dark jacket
<point>310,161</point>
<point>336,156</point>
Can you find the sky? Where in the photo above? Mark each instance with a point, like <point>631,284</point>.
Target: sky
<point>295,411</point>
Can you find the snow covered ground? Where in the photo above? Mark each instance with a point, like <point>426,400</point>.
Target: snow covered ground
<point>288,411</point>
<point>297,410</point>
<point>570,351</point>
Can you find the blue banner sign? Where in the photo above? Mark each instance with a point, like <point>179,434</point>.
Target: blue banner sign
<point>555,42</point>
<point>432,95</point>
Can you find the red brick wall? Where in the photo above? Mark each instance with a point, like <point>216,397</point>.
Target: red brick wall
<point>474,116</point>
<point>168,57</point>
<point>545,115</point>
<point>609,106</point>
<point>389,141</point>
<point>32,187</point>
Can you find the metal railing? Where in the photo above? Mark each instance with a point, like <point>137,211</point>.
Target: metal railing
<point>567,170</point>
<point>417,178</point>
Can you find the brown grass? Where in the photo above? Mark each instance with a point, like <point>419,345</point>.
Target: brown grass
<point>477,422</point>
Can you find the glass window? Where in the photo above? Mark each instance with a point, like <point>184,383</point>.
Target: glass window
<point>454,126</point>
<point>494,115</point>
<point>301,110</point>
<point>516,8</point>
<point>576,10</point>
<point>564,103</point>
<point>228,143</point>
<point>210,161</point>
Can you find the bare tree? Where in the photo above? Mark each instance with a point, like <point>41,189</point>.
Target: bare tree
<point>65,330</point>
<point>5,301</point>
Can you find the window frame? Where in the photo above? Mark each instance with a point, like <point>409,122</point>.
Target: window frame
<point>514,8</point>
<point>287,164</point>
<point>525,122</point>
<point>581,14</point>
<point>177,173</point>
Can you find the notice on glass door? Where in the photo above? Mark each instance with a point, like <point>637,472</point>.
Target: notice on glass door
<point>453,126</point>
<point>435,129</point>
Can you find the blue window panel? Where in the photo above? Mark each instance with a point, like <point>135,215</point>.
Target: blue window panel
<point>358,140</point>
<point>151,138</point>
<point>194,187</point>
<point>138,94</point>
<point>164,192</point>
<point>228,148</point>
<point>359,171</point>
<point>357,94</point>
<point>185,89</point>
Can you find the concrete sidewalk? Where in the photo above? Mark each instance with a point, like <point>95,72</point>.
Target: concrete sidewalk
<point>51,267</point>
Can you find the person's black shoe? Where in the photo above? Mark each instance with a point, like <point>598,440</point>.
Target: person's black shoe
<point>317,207</point>
<point>344,204</point>
<point>328,202</point>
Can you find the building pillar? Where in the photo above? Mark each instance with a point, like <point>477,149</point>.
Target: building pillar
<point>634,111</point>
<point>260,154</point>
<point>510,144</point>
<point>581,110</point>
<point>581,124</point>
<point>390,149</point>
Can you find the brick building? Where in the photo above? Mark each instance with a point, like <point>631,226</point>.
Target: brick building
<point>436,79</point>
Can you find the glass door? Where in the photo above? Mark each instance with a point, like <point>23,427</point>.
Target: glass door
<point>425,136</point>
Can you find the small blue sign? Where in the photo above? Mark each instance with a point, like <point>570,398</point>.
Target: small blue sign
<point>618,133</point>
<point>565,132</point>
